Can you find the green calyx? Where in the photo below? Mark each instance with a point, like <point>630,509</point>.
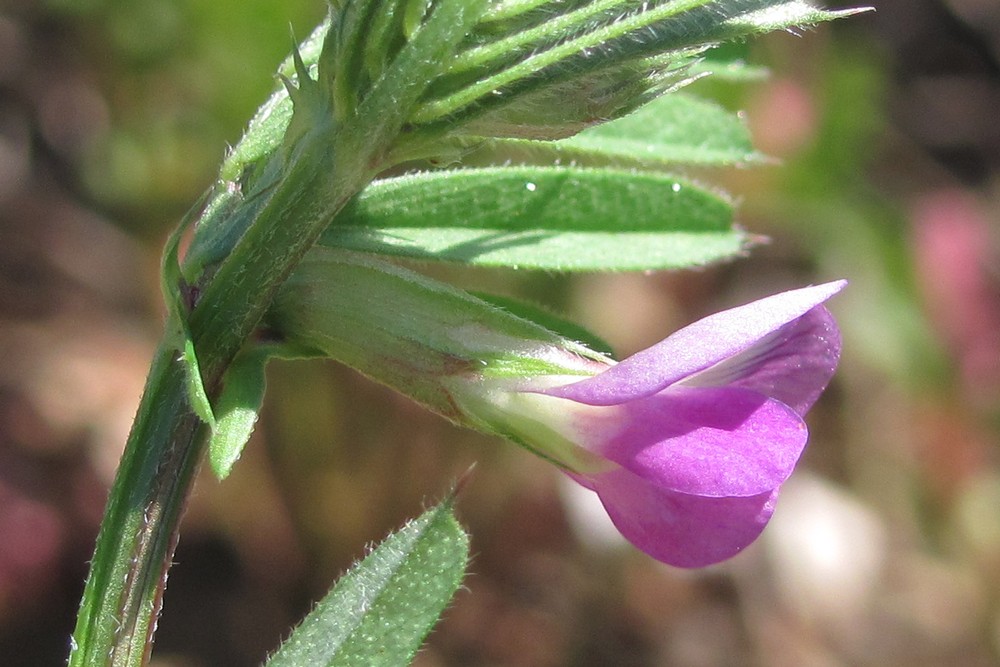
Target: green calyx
<point>415,334</point>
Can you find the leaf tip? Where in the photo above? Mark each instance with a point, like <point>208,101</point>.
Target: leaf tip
<point>461,483</point>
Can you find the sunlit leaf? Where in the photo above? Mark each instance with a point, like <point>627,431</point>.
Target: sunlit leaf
<point>380,611</point>
<point>562,219</point>
<point>675,128</point>
<point>236,411</point>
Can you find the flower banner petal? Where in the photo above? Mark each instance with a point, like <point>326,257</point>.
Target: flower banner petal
<point>793,365</point>
<point>696,347</point>
<point>678,529</point>
<point>717,442</point>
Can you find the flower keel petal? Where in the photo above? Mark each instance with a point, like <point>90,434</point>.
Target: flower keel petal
<point>679,529</point>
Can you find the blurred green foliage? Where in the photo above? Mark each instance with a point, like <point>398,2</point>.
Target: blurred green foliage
<point>181,79</point>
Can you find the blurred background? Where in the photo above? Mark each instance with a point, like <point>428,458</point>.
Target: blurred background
<point>885,549</point>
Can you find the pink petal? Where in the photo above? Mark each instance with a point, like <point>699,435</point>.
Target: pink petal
<point>696,348</point>
<point>717,442</point>
<point>793,364</point>
<point>679,529</point>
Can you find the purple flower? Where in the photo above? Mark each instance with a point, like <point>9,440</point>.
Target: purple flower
<point>686,443</point>
<point>695,435</point>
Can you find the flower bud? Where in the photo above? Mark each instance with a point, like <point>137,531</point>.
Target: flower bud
<point>547,70</point>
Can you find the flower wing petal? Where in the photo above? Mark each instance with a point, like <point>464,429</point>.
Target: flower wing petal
<point>718,442</point>
<point>695,348</point>
<point>679,529</point>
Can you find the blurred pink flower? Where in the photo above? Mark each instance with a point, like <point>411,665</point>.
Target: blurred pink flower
<point>958,252</point>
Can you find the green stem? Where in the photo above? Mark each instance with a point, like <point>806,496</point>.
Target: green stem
<point>324,165</point>
<point>139,532</point>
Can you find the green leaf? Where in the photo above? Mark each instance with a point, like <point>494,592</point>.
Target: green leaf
<point>728,69</point>
<point>672,129</point>
<point>197,395</point>
<point>563,219</point>
<point>380,611</point>
<point>267,128</point>
<point>236,410</point>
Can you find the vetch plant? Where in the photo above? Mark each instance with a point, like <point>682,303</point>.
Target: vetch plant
<point>519,133</point>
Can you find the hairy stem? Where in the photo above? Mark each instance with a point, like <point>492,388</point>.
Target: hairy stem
<point>139,531</point>
<point>138,534</point>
